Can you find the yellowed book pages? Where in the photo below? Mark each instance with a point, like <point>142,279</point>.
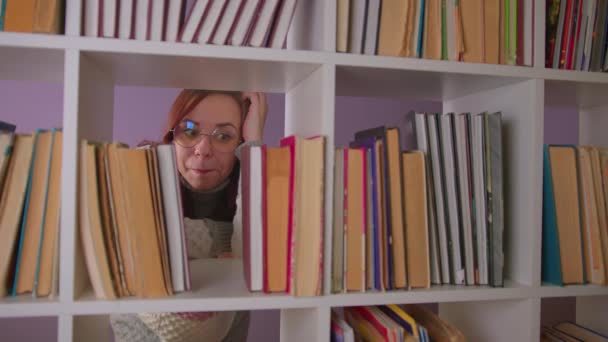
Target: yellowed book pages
<point>90,226</point>
<point>473,29</point>
<point>391,31</point>
<point>309,193</point>
<point>140,217</point>
<point>11,203</point>
<point>432,30</point>
<point>363,329</point>
<point>19,15</point>
<point>48,16</point>
<point>396,205</point>
<point>124,230</point>
<point>594,260</point>
<point>343,13</point>
<point>416,219</point>
<point>355,220</point>
<point>106,216</point>
<point>384,265</point>
<point>277,210</point>
<point>565,180</point>
<point>408,48</point>
<point>491,35</point>
<point>600,200</point>
<point>159,217</point>
<point>604,190</point>
<point>51,220</point>
<point>34,215</point>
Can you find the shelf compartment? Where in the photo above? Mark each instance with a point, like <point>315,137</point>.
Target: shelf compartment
<point>27,306</point>
<point>217,285</point>
<point>548,290</point>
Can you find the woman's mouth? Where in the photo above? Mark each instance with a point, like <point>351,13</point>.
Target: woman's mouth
<point>201,172</point>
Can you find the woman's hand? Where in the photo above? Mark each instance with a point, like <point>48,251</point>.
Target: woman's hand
<point>253,125</point>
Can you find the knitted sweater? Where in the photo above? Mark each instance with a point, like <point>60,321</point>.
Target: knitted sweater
<point>205,238</point>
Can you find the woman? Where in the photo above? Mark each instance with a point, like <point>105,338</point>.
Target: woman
<point>207,128</point>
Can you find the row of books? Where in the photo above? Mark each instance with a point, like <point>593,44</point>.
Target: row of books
<point>495,32</point>
<point>575,215</point>
<point>131,224</point>
<point>570,332</point>
<point>409,219</point>
<point>407,323</point>
<point>258,23</point>
<point>37,16</point>
<point>577,35</point>
<point>30,177</point>
<point>282,194</point>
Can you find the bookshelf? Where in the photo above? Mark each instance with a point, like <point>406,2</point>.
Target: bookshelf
<point>311,75</point>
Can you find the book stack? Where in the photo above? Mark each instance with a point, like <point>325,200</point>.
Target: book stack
<point>282,194</point>
<point>30,176</point>
<point>576,35</point>
<point>409,219</point>
<point>258,23</point>
<point>570,332</point>
<point>408,323</point>
<point>575,219</point>
<point>494,32</point>
<point>33,16</point>
<point>130,221</point>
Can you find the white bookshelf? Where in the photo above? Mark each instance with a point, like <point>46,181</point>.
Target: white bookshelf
<point>311,75</point>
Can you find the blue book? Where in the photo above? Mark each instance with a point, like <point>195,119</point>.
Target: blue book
<point>6,126</point>
<point>2,13</point>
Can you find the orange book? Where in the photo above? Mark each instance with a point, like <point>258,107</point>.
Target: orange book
<point>277,209</point>
<point>355,167</point>
<point>19,15</point>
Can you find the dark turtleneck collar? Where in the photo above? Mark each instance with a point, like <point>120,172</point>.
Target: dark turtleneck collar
<point>205,204</point>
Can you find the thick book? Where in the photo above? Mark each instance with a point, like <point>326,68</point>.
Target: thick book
<point>562,254</point>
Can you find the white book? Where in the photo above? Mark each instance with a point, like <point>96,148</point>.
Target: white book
<point>442,230</point>
<point>423,146</point>
<point>109,18</point>
<point>357,26</point>
<point>125,19</point>
<point>453,217</point>
<point>91,18</point>
<point>226,21</point>
<point>193,19</point>
<point>479,187</point>
<point>141,19</point>
<point>528,32</point>
<point>282,24</point>
<point>174,11</point>
<point>210,21</point>
<point>591,8</point>
<point>244,23</point>
<point>371,27</point>
<point>174,223</point>
<point>157,24</point>
<point>461,131</point>
<point>256,227</point>
<point>263,24</point>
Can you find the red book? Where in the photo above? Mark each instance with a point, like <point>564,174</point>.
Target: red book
<point>290,142</point>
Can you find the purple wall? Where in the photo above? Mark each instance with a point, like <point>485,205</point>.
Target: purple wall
<point>140,113</point>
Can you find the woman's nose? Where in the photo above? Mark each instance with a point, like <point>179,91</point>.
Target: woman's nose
<point>203,148</point>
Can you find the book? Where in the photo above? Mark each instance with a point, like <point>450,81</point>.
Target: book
<point>253,202</point>
<point>11,204</point>
<point>562,243</point>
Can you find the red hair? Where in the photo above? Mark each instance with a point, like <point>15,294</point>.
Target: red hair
<point>188,99</point>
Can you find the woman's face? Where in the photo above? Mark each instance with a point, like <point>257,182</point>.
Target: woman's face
<point>208,162</point>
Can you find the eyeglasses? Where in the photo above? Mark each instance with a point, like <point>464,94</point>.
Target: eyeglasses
<point>223,139</point>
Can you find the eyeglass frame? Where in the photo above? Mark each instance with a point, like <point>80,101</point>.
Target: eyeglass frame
<point>210,135</point>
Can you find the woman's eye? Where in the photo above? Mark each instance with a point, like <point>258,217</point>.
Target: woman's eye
<point>224,137</point>
<point>190,133</point>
